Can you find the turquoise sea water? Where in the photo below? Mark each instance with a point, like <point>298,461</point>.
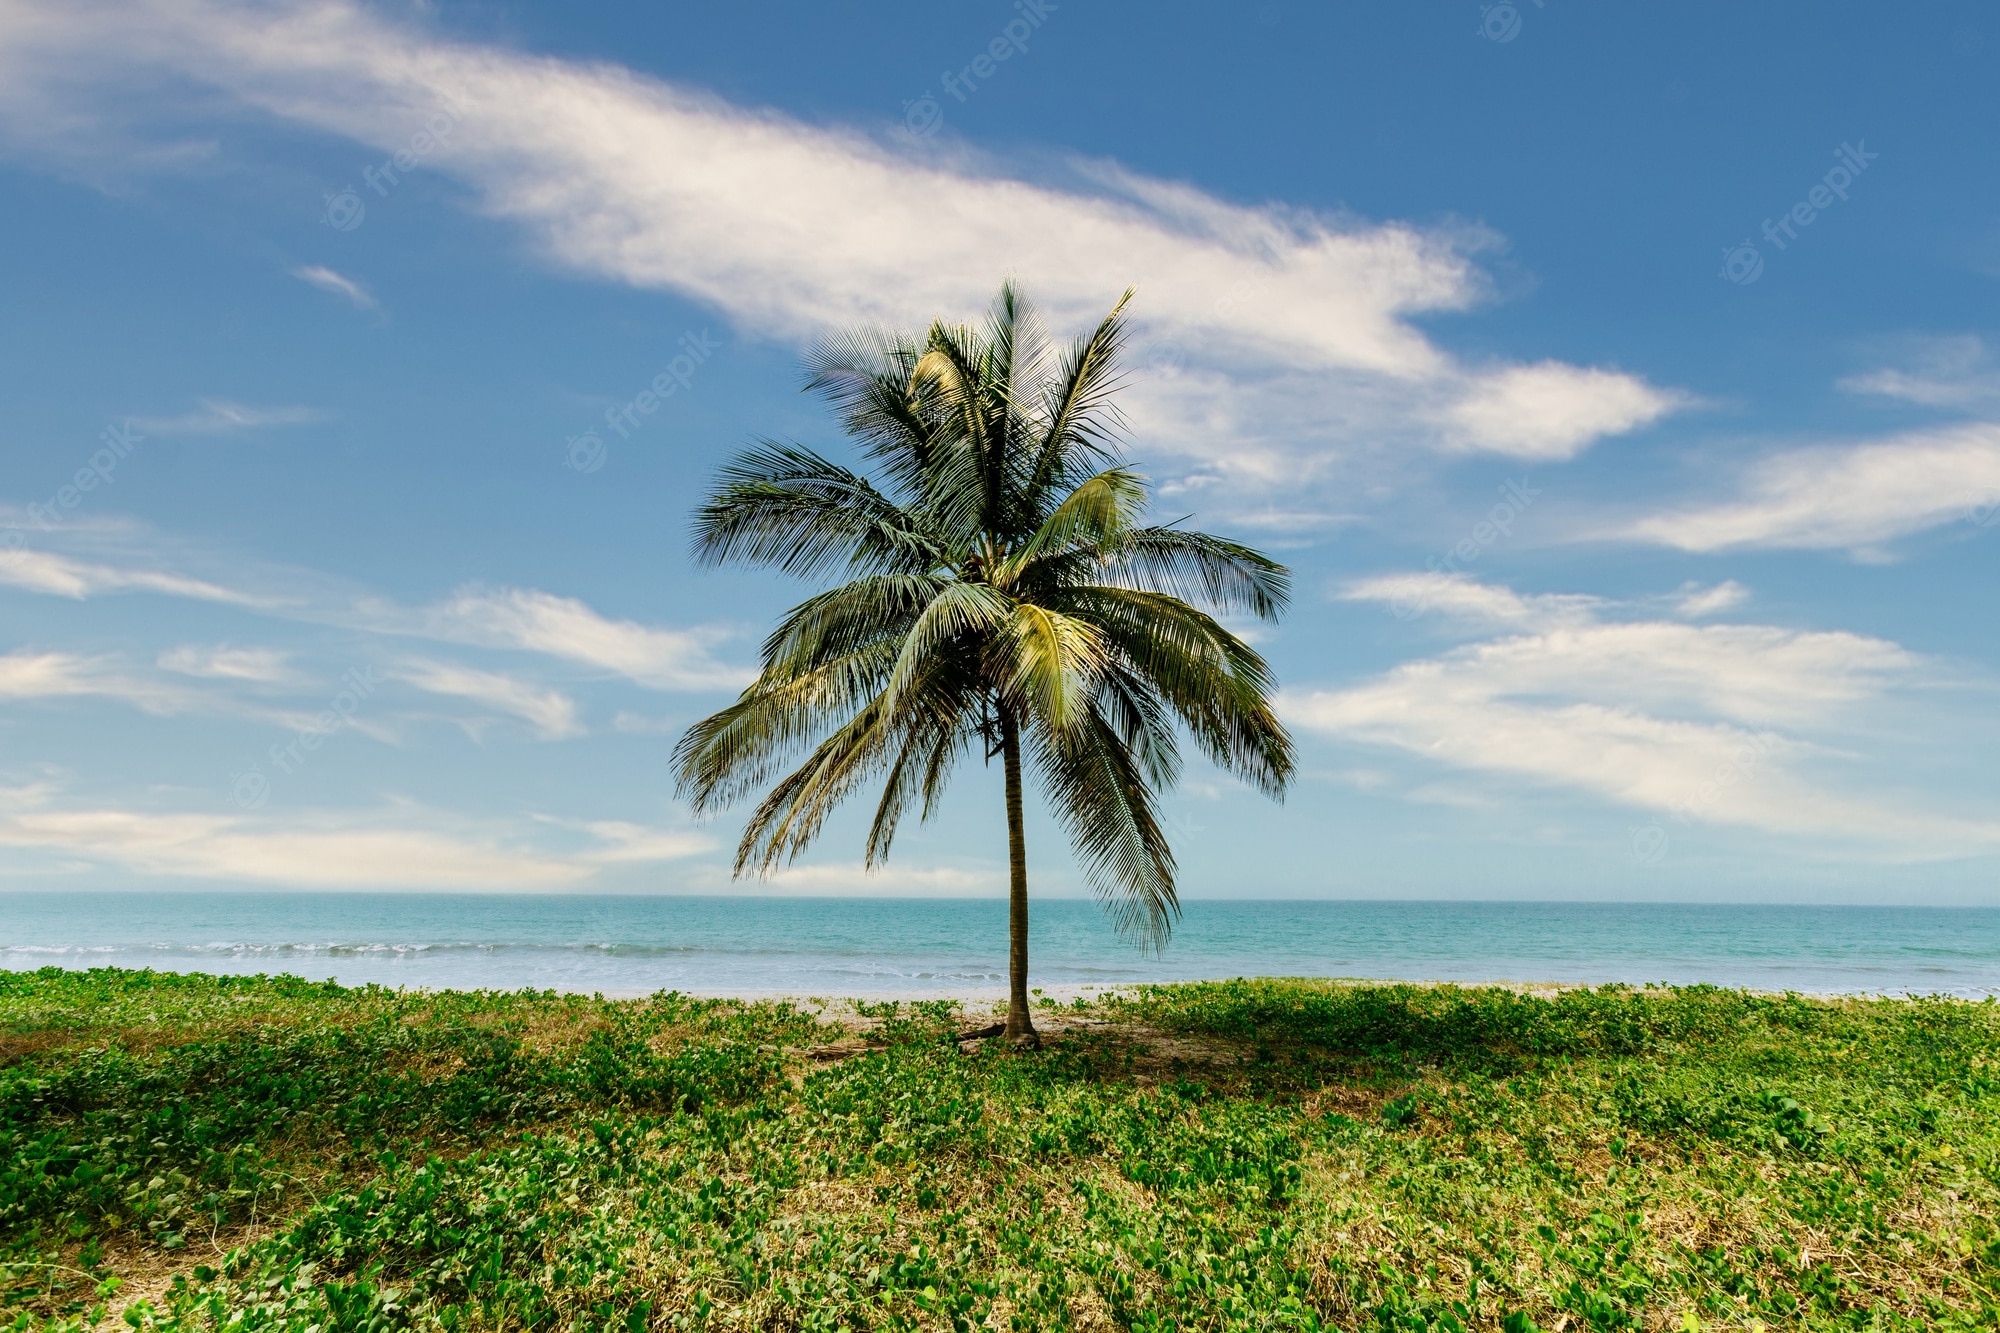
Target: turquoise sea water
<point>821,946</point>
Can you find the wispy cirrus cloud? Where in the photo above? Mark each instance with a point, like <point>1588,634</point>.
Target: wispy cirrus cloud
<point>220,416</point>
<point>622,843</point>
<point>29,675</point>
<point>346,288</point>
<point>1958,371</point>
<point>1277,316</point>
<point>549,711</point>
<point>266,666</point>
<point>61,576</point>
<point>513,619</point>
<point>1694,601</point>
<point>1461,597</point>
<point>563,627</point>
<point>1840,497</point>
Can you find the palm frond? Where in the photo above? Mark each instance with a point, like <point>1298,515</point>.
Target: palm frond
<point>1019,353</point>
<point>1195,566</point>
<point>727,755</point>
<point>958,486</point>
<point>1080,422</point>
<point>787,820</point>
<point>865,375</point>
<point>1218,685</point>
<point>1096,515</point>
<point>1103,802</point>
<point>1132,707</point>
<point>846,619</point>
<point>785,506</point>
<point>1018,342</point>
<point>1050,664</point>
<point>920,770</point>
<point>952,624</point>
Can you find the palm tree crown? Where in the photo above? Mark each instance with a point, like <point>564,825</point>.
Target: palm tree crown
<point>999,586</point>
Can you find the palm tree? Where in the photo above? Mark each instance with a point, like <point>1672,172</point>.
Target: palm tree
<point>999,587</point>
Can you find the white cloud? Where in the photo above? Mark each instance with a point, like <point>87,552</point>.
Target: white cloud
<point>625,843</point>
<point>789,228</point>
<point>265,666</point>
<point>1459,596</point>
<point>1619,753</point>
<point>60,576</point>
<point>1851,496</point>
<point>1551,411</point>
<point>522,618</point>
<point>397,848</point>
<point>54,675</point>
<point>890,881</point>
<point>51,675</point>
<point>318,275</point>
<point>517,619</point>
<point>1758,675</point>
<point>550,712</point>
<point>219,416</point>
<point>47,676</point>
<point>1938,372</point>
<point>1708,722</point>
<point>225,848</point>
<point>1694,601</point>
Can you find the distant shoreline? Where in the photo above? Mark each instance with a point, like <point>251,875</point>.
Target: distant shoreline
<point>935,948</point>
<point>974,999</point>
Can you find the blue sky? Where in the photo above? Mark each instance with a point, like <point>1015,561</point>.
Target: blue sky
<point>1631,562</point>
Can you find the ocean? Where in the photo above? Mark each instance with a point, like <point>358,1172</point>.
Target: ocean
<point>834,946</point>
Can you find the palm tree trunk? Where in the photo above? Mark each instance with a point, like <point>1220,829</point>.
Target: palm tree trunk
<point>1020,1023</point>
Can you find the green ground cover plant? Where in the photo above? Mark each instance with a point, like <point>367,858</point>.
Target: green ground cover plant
<point>217,1153</point>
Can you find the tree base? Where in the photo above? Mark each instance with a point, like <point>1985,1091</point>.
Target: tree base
<point>1025,1040</point>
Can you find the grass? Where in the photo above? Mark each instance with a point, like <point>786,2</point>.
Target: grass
<point>218,1153</point>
